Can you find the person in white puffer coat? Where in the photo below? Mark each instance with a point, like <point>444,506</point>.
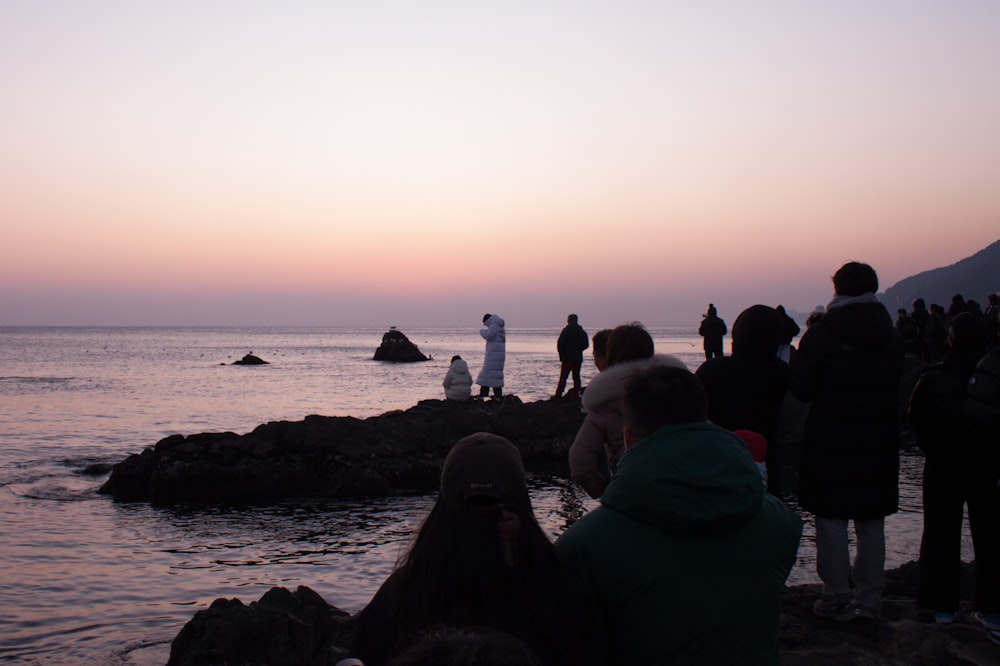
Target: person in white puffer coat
<point>491,376</point>
<point>458,380</point>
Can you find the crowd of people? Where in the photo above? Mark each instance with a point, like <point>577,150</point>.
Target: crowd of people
<point>685,558</point>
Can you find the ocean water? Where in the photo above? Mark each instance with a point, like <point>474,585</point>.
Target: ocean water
<point>86,579</point>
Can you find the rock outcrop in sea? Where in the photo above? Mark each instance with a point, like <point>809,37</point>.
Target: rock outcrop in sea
<point>397,348</point>
<point>299,627</point>
<point>250,359</point>
<point>341,456</point>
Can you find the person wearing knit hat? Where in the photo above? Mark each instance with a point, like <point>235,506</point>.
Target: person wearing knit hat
<point>481,559</point>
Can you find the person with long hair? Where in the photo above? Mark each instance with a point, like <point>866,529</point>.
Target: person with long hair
<point>480,559</point>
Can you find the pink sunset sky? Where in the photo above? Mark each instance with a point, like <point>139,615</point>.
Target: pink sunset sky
<point>421,163</point>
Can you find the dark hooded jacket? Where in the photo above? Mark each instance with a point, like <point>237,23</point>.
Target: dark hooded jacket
<point>686,558</point>
<point>848,365</point>
<point>983,407</point>
<point>746,390</point>
<point>572,341</point>
<point>938,405</point>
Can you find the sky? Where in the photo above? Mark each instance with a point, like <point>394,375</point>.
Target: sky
<point>421,163</point>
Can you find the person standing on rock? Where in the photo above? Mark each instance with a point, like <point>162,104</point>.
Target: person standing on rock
<point>712,329</point>
<point>491,376</point>
<point>848,366</point>
<point>572,342</point>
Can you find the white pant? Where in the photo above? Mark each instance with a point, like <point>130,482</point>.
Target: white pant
<point>833,561</point>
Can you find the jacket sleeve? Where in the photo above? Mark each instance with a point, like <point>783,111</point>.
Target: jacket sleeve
<point>584,457</point>
<point>447,379</point>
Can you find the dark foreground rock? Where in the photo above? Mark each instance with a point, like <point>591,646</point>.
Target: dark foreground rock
<point>341,456</point>
<point>301,628</point>
<point>397,348</point>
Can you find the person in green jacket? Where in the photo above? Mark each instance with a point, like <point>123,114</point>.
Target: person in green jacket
<point>687,555</point>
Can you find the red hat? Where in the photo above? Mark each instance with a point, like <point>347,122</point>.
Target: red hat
<point>756,442</point>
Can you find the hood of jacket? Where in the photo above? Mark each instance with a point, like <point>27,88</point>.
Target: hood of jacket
<point>688,479</point>
<point>460,367</point>
<point>494,320</point>
<point>863,324</point>
<point>757,332</point>
<point>607,386</point>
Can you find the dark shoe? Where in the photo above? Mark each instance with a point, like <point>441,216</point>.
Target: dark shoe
<point>844,612</point>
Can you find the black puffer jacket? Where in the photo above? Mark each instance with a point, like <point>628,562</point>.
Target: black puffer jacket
<point>848,365</point>
<point>746,390</point>
<point>983,406</point>
<point>937,407</point>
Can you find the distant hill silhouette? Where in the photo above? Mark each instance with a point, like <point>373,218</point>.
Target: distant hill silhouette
<point>974,278</point>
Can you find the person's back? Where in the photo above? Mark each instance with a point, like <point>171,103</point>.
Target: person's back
<point>848,366</point>
<point>458,380</point>
<point>746,390</point>
<point>687,555</point>
<point>712,329</point>
<point>480,559</point>
<point>572,342</point>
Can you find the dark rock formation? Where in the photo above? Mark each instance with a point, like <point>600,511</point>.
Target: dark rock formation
<point>397,348</point>
<point>327,456</point>
<point>250,359</point>
<point>301,628</point>
<point>281,628</point>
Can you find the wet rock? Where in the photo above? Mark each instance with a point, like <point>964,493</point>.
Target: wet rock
<point>281,628</point>
<point>250,359</point>
<point>397,348</point>
<point>326,456</point>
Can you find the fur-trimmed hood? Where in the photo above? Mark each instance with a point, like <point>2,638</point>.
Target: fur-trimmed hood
<point>609,385</point>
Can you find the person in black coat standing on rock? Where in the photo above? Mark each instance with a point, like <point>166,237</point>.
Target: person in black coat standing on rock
<point>958,470</point>
<point>572,342</point>
<point>848,365</point>
<point>713,329</point>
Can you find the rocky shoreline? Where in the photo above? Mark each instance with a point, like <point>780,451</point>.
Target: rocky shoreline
<point>401,452</point>
<point>301,627</point>
<point>341,456</point>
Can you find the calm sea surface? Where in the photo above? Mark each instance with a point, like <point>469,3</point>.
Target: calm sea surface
<point>85,579</point>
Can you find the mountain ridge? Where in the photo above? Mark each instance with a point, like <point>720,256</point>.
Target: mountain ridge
<point>975,278</point>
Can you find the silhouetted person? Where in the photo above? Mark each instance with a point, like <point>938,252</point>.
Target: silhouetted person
<point>848,365</point>
<point>908,330</point>
<point>712,329</point>
<point>921,317</point>
<point>992,315</point>
<point>958,470</point>
<point>746,389</point>
<point>572,341</point>
<point>789,329</point>
<point>936,333</point>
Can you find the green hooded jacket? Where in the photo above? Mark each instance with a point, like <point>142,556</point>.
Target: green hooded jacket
<point>686,558</point>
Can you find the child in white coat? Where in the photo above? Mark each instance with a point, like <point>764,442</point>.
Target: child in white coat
<point>458,380</point>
